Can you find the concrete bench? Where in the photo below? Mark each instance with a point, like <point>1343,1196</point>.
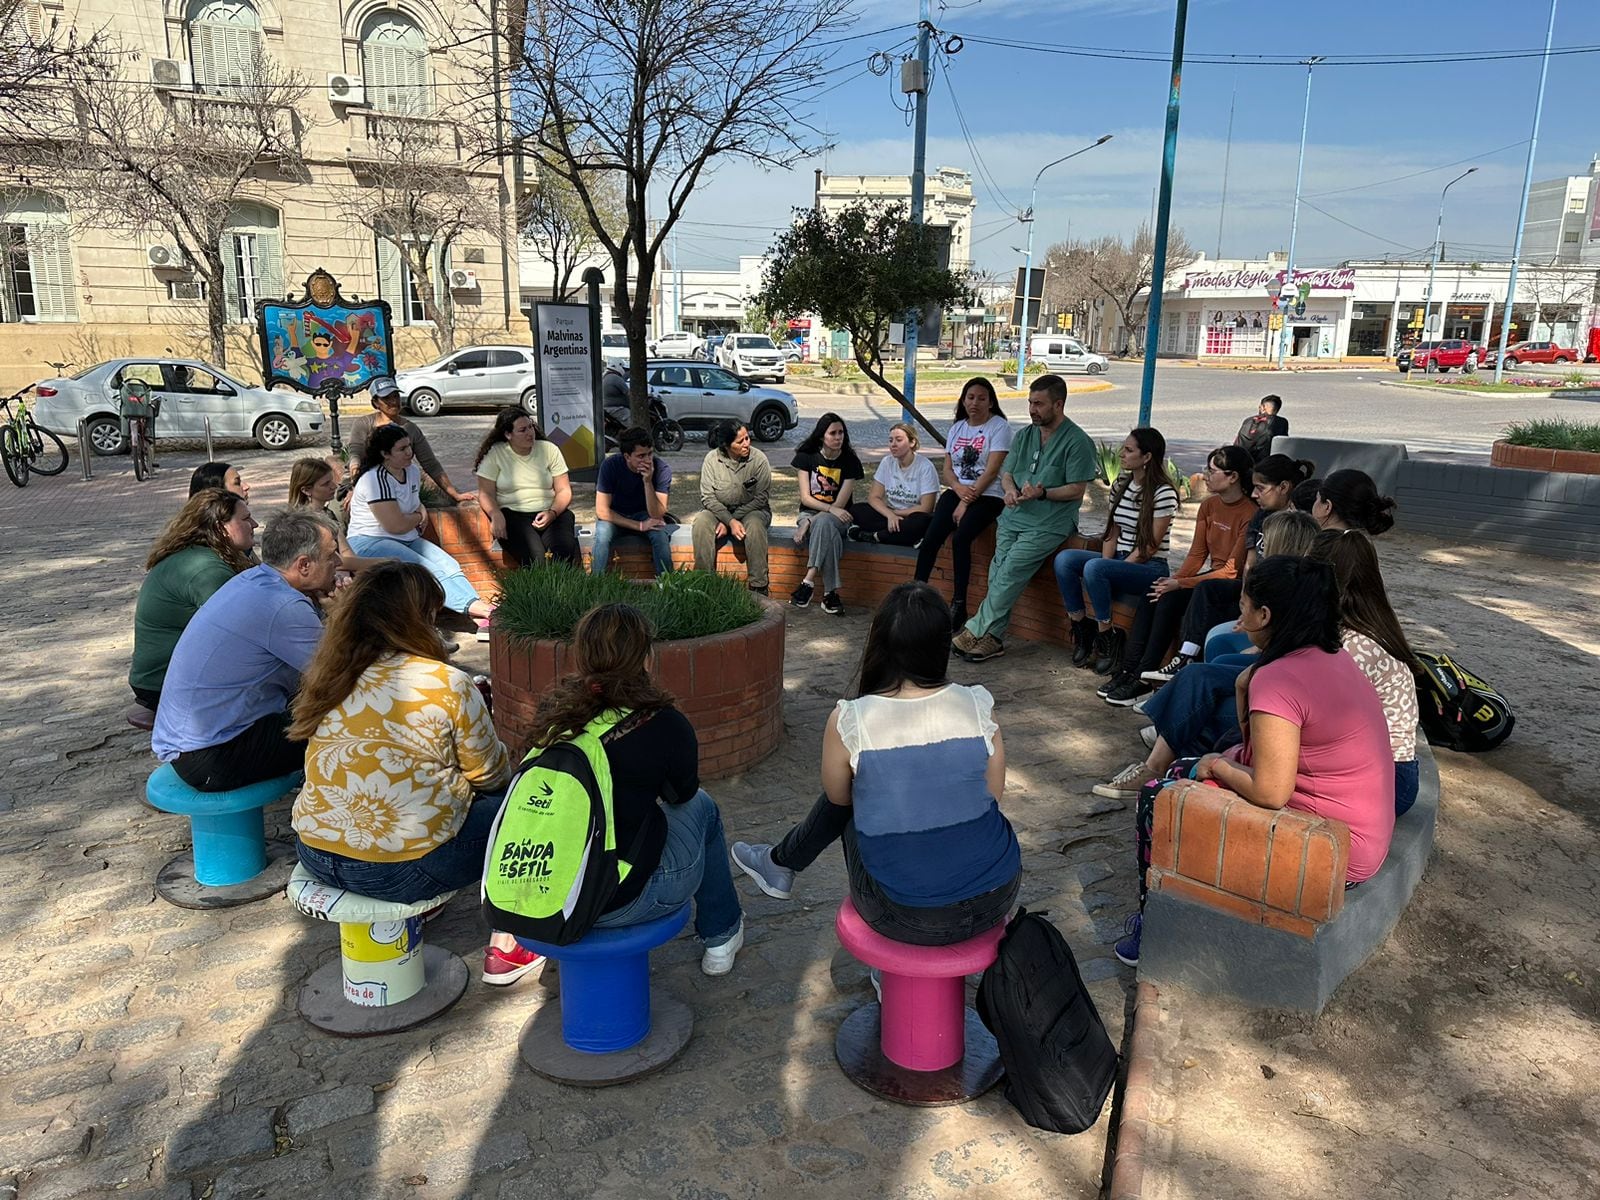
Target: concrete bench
<point>870,571</point>
<point>1250,902</point>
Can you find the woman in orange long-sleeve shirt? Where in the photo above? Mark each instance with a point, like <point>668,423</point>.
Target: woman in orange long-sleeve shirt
<point>1216,553</point>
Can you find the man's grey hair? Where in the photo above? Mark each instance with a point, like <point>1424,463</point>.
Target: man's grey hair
<point>291,533</point>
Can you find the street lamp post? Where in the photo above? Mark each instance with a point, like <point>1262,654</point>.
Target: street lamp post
<point>1294,221</point>
<point>1027,262</point>
<point>1438,244</point>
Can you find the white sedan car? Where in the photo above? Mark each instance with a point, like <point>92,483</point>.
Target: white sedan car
<point>189,391</point>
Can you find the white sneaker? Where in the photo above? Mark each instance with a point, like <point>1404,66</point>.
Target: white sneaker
<point>1125,784</point>
<point>718,960</point>
<point>1148,736</point>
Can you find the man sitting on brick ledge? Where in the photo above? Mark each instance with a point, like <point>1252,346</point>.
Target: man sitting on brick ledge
<point>624,505</point>
<point>1045,475</point>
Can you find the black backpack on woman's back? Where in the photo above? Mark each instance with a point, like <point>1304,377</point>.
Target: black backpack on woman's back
<point>1060,1065</point>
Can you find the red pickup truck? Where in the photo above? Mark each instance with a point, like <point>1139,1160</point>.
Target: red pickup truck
<point>1446,355</point>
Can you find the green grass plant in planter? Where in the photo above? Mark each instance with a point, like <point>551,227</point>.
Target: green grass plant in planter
<point>1110,462</point>
<point>1554,433</point>
<point>544,602</point>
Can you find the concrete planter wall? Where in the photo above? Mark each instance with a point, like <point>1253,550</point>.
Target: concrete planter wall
<point>1533,458</point>
<point>729,685</point>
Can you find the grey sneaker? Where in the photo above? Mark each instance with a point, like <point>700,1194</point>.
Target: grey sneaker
<point>1148,736</point>
<point>756,862</point>
<point>1125,784</point>
<point>718,960</point>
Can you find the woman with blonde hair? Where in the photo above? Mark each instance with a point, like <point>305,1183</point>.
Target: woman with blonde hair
<point>403,766</point>
<point>312,484</point>
<point>668,830</point>
<point>205,545</point>
<point>899,504</point>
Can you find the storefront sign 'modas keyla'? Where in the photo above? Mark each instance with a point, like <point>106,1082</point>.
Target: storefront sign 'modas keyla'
<point>1255,279</point>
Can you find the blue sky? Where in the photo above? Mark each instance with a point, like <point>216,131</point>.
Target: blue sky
<point>1369,124</point>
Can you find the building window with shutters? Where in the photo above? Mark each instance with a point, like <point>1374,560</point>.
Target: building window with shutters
<point>252,259</point>
<point>224,45</point>
<point>394,64</point>
<point>36,278</point>
<point>397,285</point>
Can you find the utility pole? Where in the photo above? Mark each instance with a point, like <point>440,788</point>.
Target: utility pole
<point>914,78</point>
<point>1438,249</point>
<point>1294,221</point>
<point>677,284</point>
<point>1158,269</point>
<point>1522,212</point>
<point>1027,262</point>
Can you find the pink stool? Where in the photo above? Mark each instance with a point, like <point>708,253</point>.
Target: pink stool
<point>922,1044</point>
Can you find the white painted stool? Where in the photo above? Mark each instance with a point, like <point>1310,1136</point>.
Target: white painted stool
<point>386,979</point>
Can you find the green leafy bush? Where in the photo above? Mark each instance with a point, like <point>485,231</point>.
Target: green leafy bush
<point>1110,462</point>
<point>1555,433</point>
<point>545,602</point>
<point>1181,483</point>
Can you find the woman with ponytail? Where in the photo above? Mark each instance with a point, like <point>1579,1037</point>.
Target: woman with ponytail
<point>1348,499</point>
<point>1315,736</point>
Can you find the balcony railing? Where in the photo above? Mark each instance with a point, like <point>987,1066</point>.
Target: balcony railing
<point>238,121</point>
<point>387,137</point>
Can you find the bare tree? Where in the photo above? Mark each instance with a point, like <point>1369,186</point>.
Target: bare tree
<point>415,191</point>
<point>1116,270</point>
<point>552,216</point>
<point>37,52</point>
<point>653,95</point>
<point>173,165</point>
<point>1560,292</point>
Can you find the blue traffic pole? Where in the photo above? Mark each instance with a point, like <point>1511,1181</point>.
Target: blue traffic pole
<point>1158,272</point>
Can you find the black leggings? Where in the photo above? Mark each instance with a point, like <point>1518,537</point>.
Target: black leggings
<point>1215,601</point>
<point>261,752</point>
<point>911,531</point>
<point>526,546</point>
<point>981,513</point>
<point>945,925</point>
<point>1154,627</point>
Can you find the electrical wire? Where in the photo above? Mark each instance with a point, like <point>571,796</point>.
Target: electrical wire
<point>1425,171</point>
<point>1348,225</point>
<point>985,176</point>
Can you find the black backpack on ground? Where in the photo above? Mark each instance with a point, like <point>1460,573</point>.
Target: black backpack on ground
<point>1460,711</point>
<point>1060,1065</point>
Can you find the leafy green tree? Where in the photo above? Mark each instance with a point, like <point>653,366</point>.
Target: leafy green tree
<point>859,270</point>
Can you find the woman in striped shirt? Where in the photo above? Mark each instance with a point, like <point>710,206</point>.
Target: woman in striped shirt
<point>1132,555</point>
<point>929,866</point>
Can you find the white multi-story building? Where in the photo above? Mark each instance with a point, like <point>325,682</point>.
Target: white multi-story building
<point>1563,224</point>
<point>948,202</point>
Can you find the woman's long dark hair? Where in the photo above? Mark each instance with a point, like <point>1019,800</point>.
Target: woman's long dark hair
<point>209,475</point>
<point>1280,468</point>
<point>611,669</point>
<point>977,381</point>
<point>1150,482</point>
<point>384,439</point>
<point>1303,598</point>
<point>200,523</point>
<point>1363,600</point>
<point>908,641</point>
<point>500,431</point>
<point>1236,460</point>
<point>1304,497</point>
<point>1355,501</point>
<point>813,442</point>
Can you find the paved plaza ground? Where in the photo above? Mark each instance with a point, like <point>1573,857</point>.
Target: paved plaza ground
<point>156,1051</point>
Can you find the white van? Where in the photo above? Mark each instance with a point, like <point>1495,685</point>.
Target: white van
<point>1057,352</point>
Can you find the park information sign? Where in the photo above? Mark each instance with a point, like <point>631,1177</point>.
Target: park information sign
<point>564,353</point>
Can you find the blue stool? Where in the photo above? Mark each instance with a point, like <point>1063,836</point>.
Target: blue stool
<point>232,861</point>
<point>611,1029</point>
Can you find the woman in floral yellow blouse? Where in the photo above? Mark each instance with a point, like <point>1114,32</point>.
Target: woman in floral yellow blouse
<point>403,768</point>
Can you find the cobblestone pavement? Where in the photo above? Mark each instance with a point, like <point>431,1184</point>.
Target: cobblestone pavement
<point>153,1051</point>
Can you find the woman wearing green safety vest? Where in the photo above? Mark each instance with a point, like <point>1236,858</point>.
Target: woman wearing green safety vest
<point>668,829</point>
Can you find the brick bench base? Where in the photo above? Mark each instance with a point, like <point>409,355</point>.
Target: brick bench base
<point>1250,903</point>
<point>870,571</point>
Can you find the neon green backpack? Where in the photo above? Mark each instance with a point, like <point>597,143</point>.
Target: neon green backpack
<point>552,865</point>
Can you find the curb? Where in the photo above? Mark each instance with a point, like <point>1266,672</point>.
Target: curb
<point>1133,1122</point>
<point>939,390</point>
<point>1438,389</point>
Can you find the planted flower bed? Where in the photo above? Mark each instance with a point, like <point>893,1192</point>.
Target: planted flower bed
<point>719,651</point>
<point>1555,444</point>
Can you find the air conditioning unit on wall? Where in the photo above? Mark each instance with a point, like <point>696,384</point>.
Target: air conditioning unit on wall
<point>171,75</point>
<point>463,281</point>
<point>347,89</point>
<point>164,257</point>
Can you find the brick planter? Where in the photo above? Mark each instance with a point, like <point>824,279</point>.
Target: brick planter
<point>729,685</point>
<point>1533,458</point>
<point>462,532</point>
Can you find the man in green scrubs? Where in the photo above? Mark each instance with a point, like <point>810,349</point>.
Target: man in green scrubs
<point>1049,467</point>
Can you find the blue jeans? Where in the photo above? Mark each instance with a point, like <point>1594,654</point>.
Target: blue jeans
<point>1224,640</point>
<point>456,864</point>
<point>1077,570</point>
<point>1405,786</point>
<point>459,594</point>
<point>694,863</point>
<point>605,533</point>
<point>1197,709</point>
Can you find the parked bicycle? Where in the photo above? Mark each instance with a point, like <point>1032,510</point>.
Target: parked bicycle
<point>139,412</point>
<point>27,448</point>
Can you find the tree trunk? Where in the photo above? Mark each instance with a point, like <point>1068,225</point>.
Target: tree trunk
<point>872,367</point>
<point>216,308</point>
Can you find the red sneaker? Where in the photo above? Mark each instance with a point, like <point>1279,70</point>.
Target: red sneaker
<point>502,968</point>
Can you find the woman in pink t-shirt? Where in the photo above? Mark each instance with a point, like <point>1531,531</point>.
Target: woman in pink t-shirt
<point>1315,735</point>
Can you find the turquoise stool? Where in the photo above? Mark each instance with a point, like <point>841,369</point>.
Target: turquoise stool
<point>611,1028</point>
<point>232,862</point>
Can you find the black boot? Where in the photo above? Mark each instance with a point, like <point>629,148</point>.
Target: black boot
<point>1083,635</point>
<point>1108,651</point>
<point>958,615</point>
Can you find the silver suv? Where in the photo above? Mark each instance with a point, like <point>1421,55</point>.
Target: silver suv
<point>699,394</point>
<point>492,375</point>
